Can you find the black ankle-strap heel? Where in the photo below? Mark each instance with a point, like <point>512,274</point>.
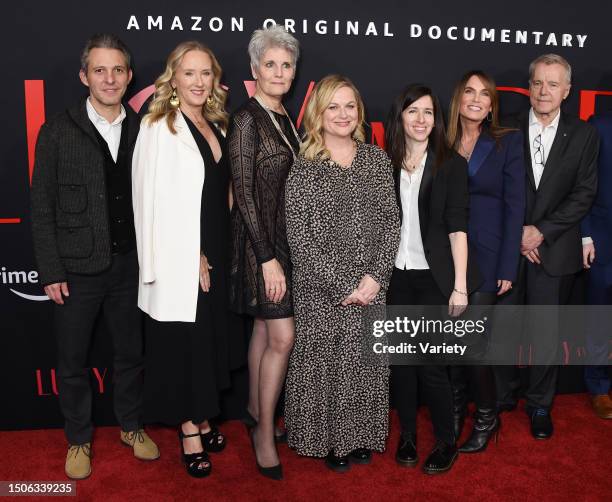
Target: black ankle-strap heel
<point>197,464</point>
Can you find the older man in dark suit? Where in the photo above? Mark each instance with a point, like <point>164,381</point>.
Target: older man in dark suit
<point>561,159</point>
<point>85,246</point>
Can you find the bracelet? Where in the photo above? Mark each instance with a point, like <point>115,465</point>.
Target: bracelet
<point>464,293</point>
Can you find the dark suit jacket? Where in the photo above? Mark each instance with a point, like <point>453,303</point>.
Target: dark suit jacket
<point>70,226</point>
<point>565,193</point>
<point>443,209</point>
<point>497,206</point>
<point>598,222</point>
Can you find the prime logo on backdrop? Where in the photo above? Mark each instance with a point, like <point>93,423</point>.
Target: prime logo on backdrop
<point>18,279</point>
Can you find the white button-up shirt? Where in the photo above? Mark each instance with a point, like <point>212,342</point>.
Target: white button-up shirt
<point>110,132</point>
<point>547,135</point>
<point>411,255</point>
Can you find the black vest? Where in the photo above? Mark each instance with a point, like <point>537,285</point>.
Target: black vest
<point>119,194</point>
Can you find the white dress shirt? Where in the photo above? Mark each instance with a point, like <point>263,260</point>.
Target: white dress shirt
<point>548,134</point>
<point>110,132</point>
<point>411,255</point>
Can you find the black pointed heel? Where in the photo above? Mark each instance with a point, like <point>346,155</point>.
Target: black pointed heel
<point>275,472</point>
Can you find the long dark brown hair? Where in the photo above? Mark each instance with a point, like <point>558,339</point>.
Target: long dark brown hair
<point>395,139</point>
<point>455,131</point>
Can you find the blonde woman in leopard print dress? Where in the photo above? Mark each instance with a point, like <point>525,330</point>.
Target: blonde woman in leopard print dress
<point>343,232</point>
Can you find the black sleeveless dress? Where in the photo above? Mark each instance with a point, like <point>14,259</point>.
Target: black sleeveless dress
<point>188,364</point>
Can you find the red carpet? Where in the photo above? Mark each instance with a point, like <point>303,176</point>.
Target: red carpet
<point>576,464</point>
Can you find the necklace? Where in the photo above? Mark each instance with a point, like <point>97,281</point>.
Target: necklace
<point>200,124</point>
<point>411,164</point>
<point>278,127</point>
<point>467,152</point>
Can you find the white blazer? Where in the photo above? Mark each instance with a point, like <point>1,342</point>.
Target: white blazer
<point>167,181</point>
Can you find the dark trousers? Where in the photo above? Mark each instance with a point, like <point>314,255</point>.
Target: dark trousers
<point>417,287</point>
<point>536,287</point>
<point>114,293</point>
<point>479,377</point>
<point>599,292</point>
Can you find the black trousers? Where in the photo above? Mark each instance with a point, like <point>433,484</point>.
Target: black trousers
<point>536,287</point>
<point>479,377</point>
<point>114,293</point>
<point>417,287</point>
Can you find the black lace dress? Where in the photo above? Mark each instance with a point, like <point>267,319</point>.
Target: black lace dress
<point>260,160</point>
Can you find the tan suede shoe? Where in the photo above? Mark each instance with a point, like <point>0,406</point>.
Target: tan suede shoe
<point>78,461</point>
<point>143,445</point>
<point>602,406</point>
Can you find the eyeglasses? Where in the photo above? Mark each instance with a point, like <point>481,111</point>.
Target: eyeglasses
<point>538,155</point>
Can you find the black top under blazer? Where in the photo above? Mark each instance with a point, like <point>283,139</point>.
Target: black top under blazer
<point>443,209</point>
<point>70,211</point>
<point>565,194</point>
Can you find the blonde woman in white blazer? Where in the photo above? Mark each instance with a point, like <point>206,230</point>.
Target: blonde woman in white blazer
<point>180,183</point>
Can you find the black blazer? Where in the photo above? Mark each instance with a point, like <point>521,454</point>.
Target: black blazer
<point>69,208</point>
<point>443,209</point>
<point>565,193</point>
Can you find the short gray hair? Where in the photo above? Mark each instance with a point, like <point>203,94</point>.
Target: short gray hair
<point>104,41</point>
<point>268,38</point>
<point>549,59</point>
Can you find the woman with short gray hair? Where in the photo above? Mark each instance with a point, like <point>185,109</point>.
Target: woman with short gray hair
<point>262,145</point>
<point>277,37</point>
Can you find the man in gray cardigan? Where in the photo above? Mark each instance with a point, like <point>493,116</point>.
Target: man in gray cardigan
<point>85,247</point>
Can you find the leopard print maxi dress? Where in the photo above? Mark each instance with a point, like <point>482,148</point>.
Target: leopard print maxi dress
<point>342,223</point>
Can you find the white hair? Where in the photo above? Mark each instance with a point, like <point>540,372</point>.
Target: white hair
<point>549,59</point>
<point>267,38</point>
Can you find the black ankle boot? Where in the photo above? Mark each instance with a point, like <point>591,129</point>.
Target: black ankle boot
<point>486,424</point>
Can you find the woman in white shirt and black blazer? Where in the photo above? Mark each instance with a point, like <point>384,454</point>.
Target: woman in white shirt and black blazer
<point>431,266</point>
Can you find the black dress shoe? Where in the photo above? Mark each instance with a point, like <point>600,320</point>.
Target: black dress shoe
<point>441,458</point>
<point>338,464</point>
<point>406,450</point>
<point>541,424</point>
<point>360,456</point>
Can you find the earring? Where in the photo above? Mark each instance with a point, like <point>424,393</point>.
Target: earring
<point>489,116</point>
<point>210,102</point>
<point>174,100</point>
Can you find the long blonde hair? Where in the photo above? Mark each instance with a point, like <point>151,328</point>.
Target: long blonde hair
<point>160,106</point>
<point>313,145</point>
